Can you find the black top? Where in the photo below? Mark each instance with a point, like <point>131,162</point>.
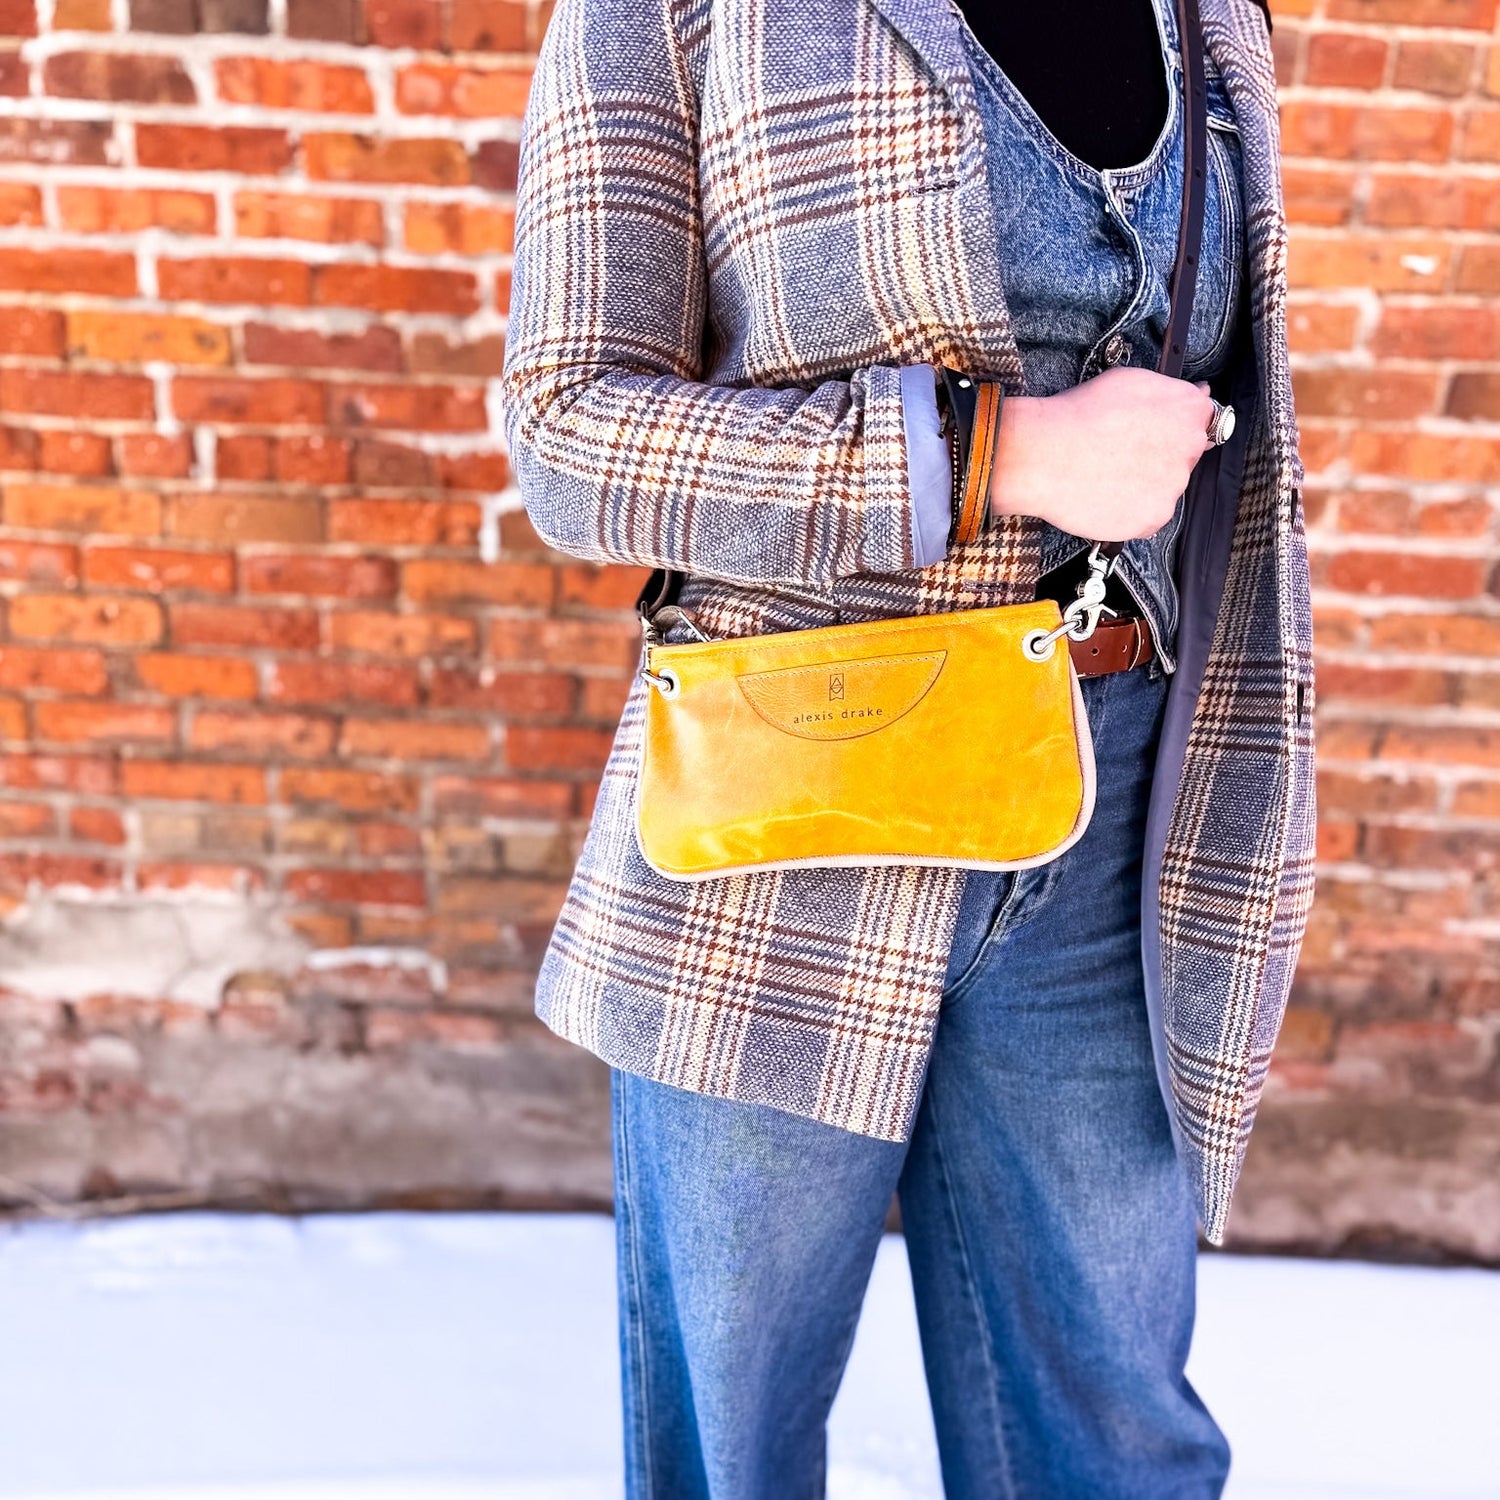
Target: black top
<point>1091,69</point>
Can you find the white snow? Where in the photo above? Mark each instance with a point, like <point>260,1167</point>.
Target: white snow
<point>471,1357</point>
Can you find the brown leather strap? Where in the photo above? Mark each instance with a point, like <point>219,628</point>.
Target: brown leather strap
<point>1115,646</point>
<point>1184,280</point>
<point>976,497</point>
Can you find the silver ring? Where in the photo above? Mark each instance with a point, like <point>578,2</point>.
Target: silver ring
<point>1222,423</point>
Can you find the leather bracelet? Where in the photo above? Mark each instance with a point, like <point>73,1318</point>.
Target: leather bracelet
<point>973,408</point>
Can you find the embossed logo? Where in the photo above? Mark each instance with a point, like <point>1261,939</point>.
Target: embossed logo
<point>870,693</point>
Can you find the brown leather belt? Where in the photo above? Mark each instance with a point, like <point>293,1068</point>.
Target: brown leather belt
<point>1115,646</point>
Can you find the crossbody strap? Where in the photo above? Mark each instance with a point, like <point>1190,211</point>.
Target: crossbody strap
<point>664,584</point>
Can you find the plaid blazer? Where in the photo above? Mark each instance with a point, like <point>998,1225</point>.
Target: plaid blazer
<point>735,220</point>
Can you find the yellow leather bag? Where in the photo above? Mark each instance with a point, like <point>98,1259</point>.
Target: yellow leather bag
<point>952,739</point>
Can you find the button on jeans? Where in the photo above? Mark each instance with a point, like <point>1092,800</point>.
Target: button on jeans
<point>1049,1228</point>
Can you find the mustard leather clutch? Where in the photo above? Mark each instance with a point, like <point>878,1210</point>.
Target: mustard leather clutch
<point>934,739</point>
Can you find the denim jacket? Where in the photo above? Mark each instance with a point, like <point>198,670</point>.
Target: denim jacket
<point>1086,254</point>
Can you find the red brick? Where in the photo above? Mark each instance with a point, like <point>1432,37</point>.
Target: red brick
<point>533,748</point>
<point>47,772</point>
<point>404,523</point>
<point>121,77</point>
<point>1411,574</point>
<point>400,635</point>
<point>376,348</point>
<point>442,354</point>
<point>302,216</point>
<point>296,83</point>
<point>511,694</point>
<point>404,23</point>
<point>487,472</point>
<point>66,507</point>
<point>1440,331</point>
<point>187,781</point>
<point>254,402</point>
<point>323,681</point>
<point>26,820</point>
<point>155,455</point>
<point>417,408</point>
<point>460,228</point>
<point>1426,456</point>
<point>1481,136</point>
<point>1474,396</point>
<point>1389,263</point>
<point>355,158</point>
<point>248,150</point>
<point>1345,60</point>
<point>489,26</point>
<point>134,338</point>
<point>1314,127</point>
<point>102,619</point>
<point>242,456</point>
<point>32,330</point>
<point>469,92</point>
<point>96,825</point>
<point>18,871</point>
<point>366,887</point>
<point>67,721</point>
<point>38,562</point>
<point>566,643</point>
<point>106,273</point>
<point>56,142</point>
<point>414,739</point>
<point>1318,195</point>
<point>277,282</point>
<point>66,393</point>
<point>590,587</point>
<point>1474,14</point>
<point>159,568</point>
<point>17,17</point>
<point>313,460</point>
<point>82,15</point>
<point>518,585</point>
<point>1447,200</point>
<point>472,796</point>
<point>262,734</point>
<point>1478,269</point>
<point>1442,67</point>
<point>242,625</point>
<point>20,204</point>
<point>380,463</point>
<point>355,790</point>
<point>245,518</point>
<point>396,289</point>
<point>126,210</point>
<point>179,675</point>
<point>1368,395</point>
<point>64,670</point>
<point>1322,327</point>
<point>84,455</point>
<point>326,575</point>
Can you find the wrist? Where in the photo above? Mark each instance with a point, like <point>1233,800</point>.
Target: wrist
<point>1017,473</point>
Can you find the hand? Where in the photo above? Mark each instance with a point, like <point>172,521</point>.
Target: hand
<point>1105,460</point>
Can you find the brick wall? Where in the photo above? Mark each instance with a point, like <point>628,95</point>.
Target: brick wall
<point>298,721</point>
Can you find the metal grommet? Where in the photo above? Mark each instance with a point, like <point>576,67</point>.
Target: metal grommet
<point>665,682</point>
<point>1038,645</point>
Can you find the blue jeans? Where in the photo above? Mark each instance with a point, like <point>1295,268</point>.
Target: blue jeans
<point>1049,1227</point>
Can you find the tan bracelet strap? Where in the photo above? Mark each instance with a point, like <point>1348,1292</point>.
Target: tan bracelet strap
<point>981,464</point>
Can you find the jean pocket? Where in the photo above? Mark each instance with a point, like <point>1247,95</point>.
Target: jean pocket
<point>987,899</point>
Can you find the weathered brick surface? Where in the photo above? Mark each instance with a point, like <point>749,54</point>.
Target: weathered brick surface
<point>299,722</point>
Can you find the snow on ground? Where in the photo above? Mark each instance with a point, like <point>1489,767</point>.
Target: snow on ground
<point>471,1357</point>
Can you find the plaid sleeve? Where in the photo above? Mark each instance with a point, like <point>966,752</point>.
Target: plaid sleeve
<point>621,450</point>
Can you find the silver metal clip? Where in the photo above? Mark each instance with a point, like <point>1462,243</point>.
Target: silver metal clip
<point>1081,618</point>
<point>653,628</point>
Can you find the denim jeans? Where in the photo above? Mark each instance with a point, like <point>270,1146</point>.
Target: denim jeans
<point>1049,1228</point>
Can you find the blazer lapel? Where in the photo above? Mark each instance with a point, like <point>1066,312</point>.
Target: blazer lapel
<point>930,27</point>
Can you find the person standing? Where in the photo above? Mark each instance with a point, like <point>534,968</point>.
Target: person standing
<point>750,238</point>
